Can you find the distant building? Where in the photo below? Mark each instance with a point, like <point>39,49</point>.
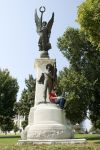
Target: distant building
<point>18,121</point>
<point>86,125</point>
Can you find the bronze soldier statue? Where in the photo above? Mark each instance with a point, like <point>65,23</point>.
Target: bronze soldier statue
<point>49,79</point>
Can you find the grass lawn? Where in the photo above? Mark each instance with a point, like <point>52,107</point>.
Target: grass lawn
<point>89,137</point>
<point>8,139</point>
<point>9,142</point>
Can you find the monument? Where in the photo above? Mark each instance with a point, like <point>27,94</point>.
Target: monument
<point>47,122</point>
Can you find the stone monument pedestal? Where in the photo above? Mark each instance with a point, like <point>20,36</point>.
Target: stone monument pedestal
<point>47,122</point>
<point>48,125</point>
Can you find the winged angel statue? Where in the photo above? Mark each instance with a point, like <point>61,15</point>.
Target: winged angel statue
<point>44,30</point>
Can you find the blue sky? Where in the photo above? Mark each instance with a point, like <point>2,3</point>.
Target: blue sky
<point>18,37</point>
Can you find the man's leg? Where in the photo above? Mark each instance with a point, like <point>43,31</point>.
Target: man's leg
<point>57,101</point>
<point>45,92</point>
<point>62,103</point>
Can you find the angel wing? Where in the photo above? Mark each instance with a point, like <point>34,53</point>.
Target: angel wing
<point>50,23</point>
<point>37,21</point>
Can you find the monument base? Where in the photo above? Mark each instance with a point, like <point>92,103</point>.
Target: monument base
<point>47,121</point>
<point>53,141</point>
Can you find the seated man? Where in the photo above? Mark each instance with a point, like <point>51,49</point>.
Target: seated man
<point>57,100</point>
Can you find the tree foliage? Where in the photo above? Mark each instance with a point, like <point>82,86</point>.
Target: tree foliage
<point>77,49</point>
<point>16,129</point>
<point>84,62</point>
<point>89,20</point>
<point>27,98</point>
<point>8,92</point>
<point>78,96</point>
<point>7,124</point>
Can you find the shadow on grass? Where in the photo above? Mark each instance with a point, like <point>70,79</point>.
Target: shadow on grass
<point>97,142</point>
<point>10,136</point>
<point>88,136</point>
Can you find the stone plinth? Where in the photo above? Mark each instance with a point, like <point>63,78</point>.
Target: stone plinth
<point>47,121</point>
<point>53,141</point>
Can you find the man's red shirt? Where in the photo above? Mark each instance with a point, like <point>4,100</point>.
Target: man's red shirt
<point>52,97</point>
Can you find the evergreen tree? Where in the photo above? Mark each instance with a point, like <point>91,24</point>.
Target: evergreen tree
<point>8,92</point>
<point>27,99</point>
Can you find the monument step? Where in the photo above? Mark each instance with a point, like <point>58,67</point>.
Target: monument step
<point>55,141</point>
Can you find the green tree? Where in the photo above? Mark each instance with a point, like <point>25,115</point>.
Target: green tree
<point>8,92</point>
<point>7,125</point>
<point>77,96</point>
<point>89,20</point>
<point>27,99</point>
<point>84,59</point>
<point>24,123</point>
<point>77,49</point>
<point>16,129</point>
